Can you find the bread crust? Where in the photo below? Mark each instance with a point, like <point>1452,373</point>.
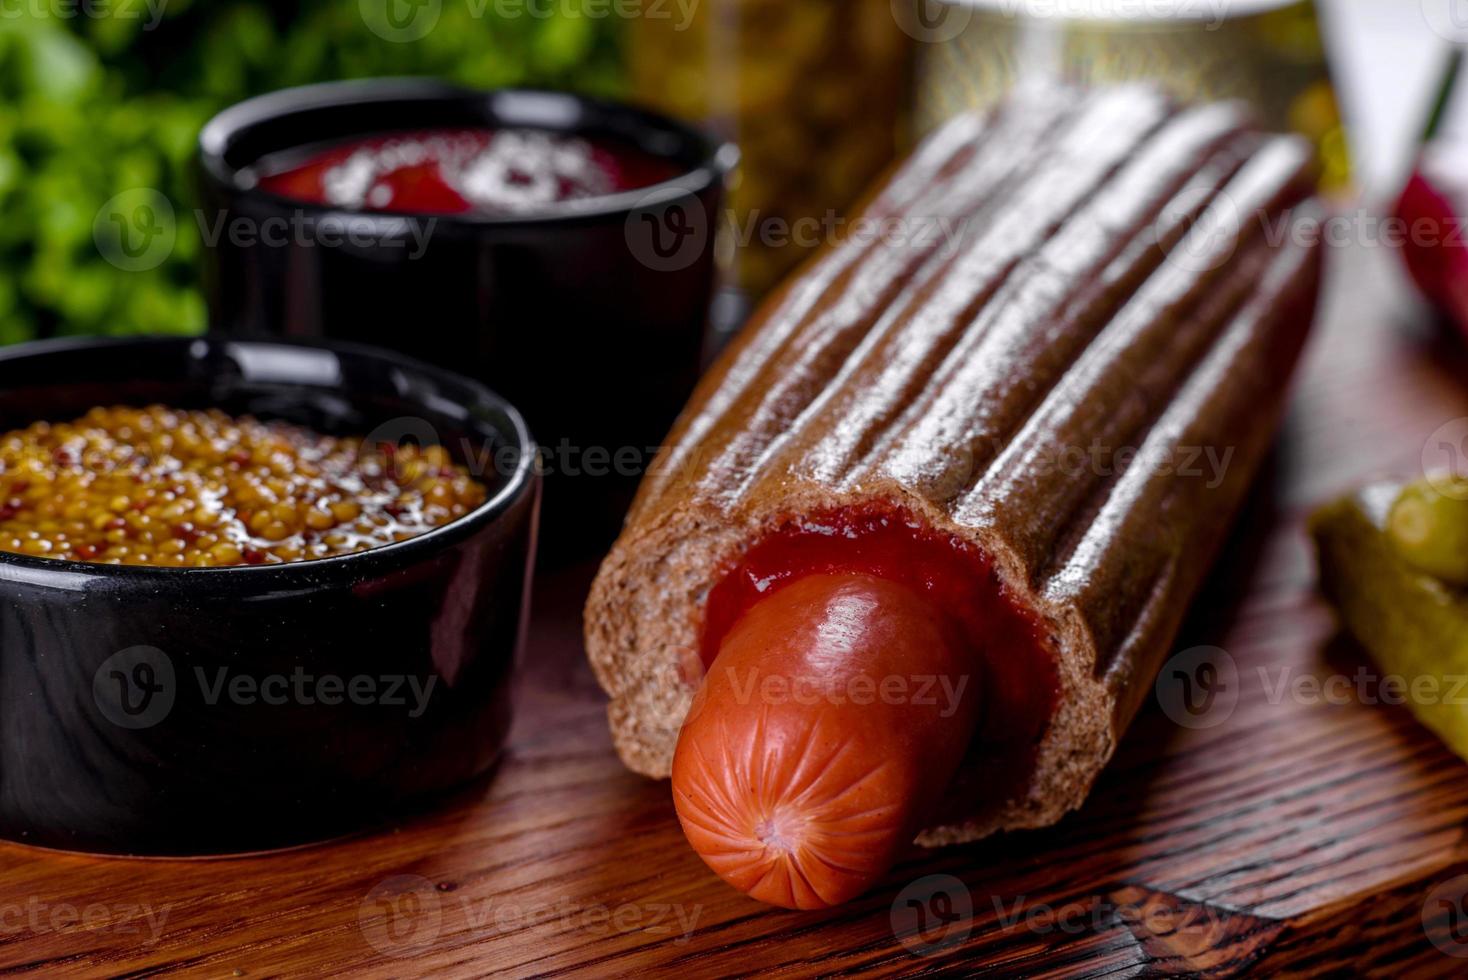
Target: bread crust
<point>1100,296</point>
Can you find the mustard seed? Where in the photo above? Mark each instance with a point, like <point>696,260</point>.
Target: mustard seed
<point>201,488</point>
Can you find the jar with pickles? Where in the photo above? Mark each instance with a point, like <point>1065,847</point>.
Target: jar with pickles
<point>815,92</point>
<point>1269,53</point>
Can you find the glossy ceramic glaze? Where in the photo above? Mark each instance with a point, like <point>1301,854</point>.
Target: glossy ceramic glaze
<point>204,710</point>
<point>588,315</point>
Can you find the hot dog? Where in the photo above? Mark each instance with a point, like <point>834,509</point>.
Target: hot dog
<point>994,449</point>
<point>808,762</point>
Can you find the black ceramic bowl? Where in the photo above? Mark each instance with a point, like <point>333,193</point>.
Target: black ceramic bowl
<point>589,315</point>
<point>202,710</point>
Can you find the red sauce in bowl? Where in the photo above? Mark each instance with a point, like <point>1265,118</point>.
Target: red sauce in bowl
<point>463,171</point>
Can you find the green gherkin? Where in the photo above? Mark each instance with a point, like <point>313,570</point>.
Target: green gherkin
<point>1414,624</point>
<point>1428,525</point>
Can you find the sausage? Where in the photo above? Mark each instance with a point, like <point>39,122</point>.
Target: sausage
<point>826,730</point>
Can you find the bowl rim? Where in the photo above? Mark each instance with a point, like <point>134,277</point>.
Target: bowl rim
<point>373,561</point>
<point>718,157</point>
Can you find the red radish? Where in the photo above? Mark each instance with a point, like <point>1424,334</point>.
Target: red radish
<point>1431,211</point>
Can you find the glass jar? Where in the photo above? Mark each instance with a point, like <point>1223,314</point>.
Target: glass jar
<point>815,93</point>
<point>1269,53</point>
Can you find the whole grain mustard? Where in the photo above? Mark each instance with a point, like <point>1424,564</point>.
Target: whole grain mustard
<point>157,486</point>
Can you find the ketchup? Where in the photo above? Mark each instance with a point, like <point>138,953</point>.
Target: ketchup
<point>463,171</point>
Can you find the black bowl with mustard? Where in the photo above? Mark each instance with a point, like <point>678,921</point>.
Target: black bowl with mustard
<point>252,594</point>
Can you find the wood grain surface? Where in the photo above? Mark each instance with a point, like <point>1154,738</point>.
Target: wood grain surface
<point>1277,831</point>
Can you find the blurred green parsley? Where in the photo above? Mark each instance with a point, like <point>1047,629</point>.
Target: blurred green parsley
<point>103,97</point>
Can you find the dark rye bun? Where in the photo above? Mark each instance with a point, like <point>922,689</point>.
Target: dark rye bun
<point>1127,276</point>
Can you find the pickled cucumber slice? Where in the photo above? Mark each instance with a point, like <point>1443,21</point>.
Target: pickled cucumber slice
<point>1413,624</point>
<point>1429,528</point>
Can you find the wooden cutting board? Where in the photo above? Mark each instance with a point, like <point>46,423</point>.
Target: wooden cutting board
<point>1275,831</point>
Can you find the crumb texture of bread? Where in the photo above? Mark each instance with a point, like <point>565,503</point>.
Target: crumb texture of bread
<point>1071,350</point>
